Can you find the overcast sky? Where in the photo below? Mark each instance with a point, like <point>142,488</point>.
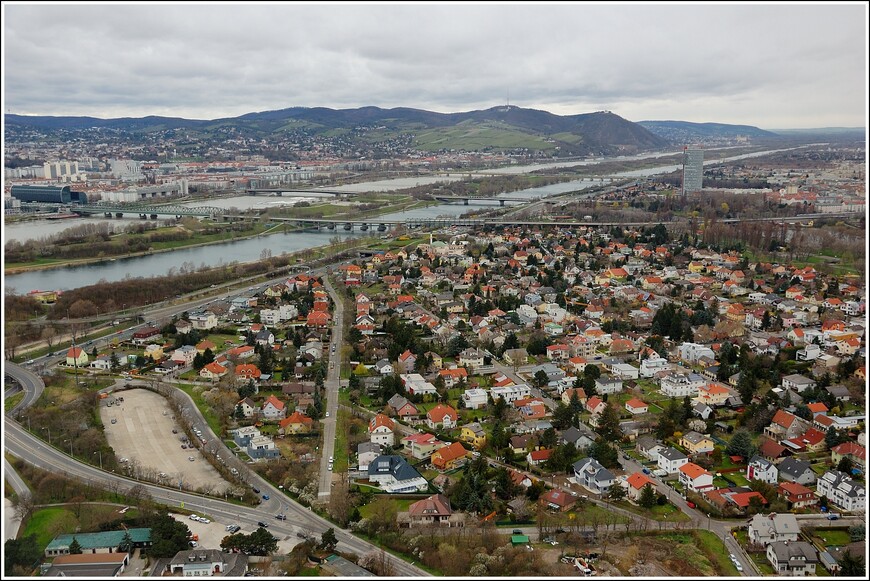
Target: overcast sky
<point>772,66</point>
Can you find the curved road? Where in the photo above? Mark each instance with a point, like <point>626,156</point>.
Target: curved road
<point>30,382</point>
<point>27,447</point>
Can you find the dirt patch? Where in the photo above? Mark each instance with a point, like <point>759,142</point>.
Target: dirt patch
<point>142,433</point>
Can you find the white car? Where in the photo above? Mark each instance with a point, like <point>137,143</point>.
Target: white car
<point>327,414</point>
<point>194,517</point>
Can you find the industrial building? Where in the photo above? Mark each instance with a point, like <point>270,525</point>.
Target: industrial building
<point>48,195</point>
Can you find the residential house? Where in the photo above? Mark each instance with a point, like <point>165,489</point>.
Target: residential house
<point>635,483</point>
<point>247,406</point>
<point>649,447</point>
<point>670,460</point>
<point>851,450</point>
<point>474,398</point>
<point>771,528</point>
<point>153,352</point>
<point>607,385</point>
<point>713,394</point>
<point>695,478</point>
<point>402,407</point>
<point>394,475</point>
<point>510,393</point>
<point>797,382</point>
<point>147,334</point>
<point>538,457</point>
<point>441,416</point>
<point>421,445</point>
<point>842,491</point>
<point>795,559</point>
<point>652,365</point>
<point>449,457</point>
<point>273,409</point>
<point>681,385</point>
<point>557,499</point>
<point>797,495</point>
<point>636,406</point>
<point>203,320</point>
<point>569,393</point>
<point>697,443</point>
<point>453,376</point>
<point>295,423</point>
<point>592,475</point>
<point>416,385</point>
<point>382,430</point>
<point>434,510</point>
<point>247,372</point>
<point>474,434</point>
<point>761,469</point>
<point>472,358</point>
<point>580,439</point>
<point>786,425</point>
<point>184,355</point>
<point>76,357</point>
<point>384,367</point>
<point>366,452</point>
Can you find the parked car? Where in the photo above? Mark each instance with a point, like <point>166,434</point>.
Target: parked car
<point>281,516</point>
<point>262,524</point>
<point>265,497</point>
<point>256,490</point>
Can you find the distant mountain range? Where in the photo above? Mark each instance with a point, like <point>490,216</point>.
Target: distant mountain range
<point>507,128</point>
<point>686,132</point>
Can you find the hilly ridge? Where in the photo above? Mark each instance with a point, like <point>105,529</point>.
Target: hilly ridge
<point>505,129</point>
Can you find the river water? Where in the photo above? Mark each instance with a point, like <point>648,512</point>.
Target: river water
<point>247,250</point>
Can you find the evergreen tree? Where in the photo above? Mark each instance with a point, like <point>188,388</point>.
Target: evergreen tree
<point>328,540</point>
<point>647,497</point>
<point>608,424</point>
<point>741,445</point>
<point>74,547</point>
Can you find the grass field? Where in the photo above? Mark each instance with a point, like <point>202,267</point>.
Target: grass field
<point>46,523</point>
<point>209,415</point>
<point>13,401</point>
<point>476,136</point>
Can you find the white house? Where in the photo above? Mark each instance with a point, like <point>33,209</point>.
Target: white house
<point>511,393</point>
<point>692,352</point>
<point>474,398</point>
<point>394,475</point>
<point>625,371</point>
<point>184,354</point>
<point>670,459</point>
<point>273,409</point>
<point>381,430</point>
<point>842,491</point>
<point>770,528</point>
<point>652,365</point>
<point>793,559</point>
<point>589,473</point>
<point>761,469</point>
<point>797,382</point>
<point>680,385</point>
<point>695,478</point>
<point>203,320</point>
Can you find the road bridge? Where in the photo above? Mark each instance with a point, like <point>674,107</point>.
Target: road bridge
<point>289,192</point>
<point>146,210</point>
<point>478,199</point>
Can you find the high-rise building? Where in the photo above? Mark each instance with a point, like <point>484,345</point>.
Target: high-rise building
<point>693,170</point>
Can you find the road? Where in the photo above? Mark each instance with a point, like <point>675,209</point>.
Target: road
<point>332,385</point>
<point>299,519</point>
<point>30,382</point>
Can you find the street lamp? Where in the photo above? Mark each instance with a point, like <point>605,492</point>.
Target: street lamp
<point>70,446</point>
<point>100,452</point>
<point>49,434</point>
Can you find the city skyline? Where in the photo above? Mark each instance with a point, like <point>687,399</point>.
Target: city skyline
<point>771,66</point>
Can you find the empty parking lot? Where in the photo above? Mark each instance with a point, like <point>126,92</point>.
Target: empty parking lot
<point>143,433</point>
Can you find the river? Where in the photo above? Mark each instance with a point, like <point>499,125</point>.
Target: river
<point>247,250</point>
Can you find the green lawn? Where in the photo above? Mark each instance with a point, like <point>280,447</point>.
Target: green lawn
<point>402,505</point>
<point>666,513</point>
<point>833,537</point>
<point>716,551</point>
<point>340,453</point>
<point>13,401</point>
<point>46,521</point>
<point>203,407</point>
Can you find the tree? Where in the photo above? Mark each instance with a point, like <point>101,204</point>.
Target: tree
<point>168,536</point>
<point>616,493</point>
<point>328,540</point>
<point>852,566</point>
<point>845,465</point>
<point>541,378</point>
<point>604,453</point>
<point>74,547</point>
<point>741,445</point>
<point>126,544</point>
<point>608,424</point>
<point>20,555</point>
<point>261,543</point>
<point>647,497</point>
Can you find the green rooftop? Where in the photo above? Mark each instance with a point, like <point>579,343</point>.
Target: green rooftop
<point>99,540</point>
<point>519,540</point>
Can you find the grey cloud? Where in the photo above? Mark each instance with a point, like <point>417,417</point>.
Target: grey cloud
<point>682,62</point>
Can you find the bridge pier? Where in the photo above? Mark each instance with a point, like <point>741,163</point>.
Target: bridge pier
<point>119,214</point>
<point>465,201</point>
<point>153,216</point>
<point>107,214</point>
<point>501,202</point>
<point>143,216</point>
